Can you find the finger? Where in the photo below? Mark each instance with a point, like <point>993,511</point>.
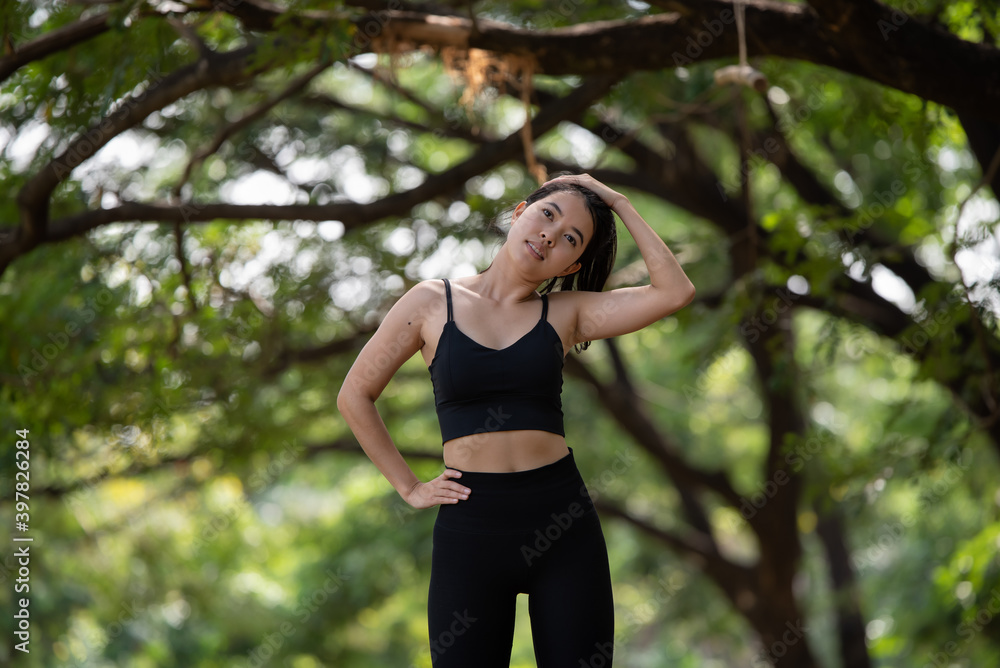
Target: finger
<point>435,497</point>
<point>450,473</point>
<point>449,496</point>
<point>459,489</point>
<point>448,488</point>
<point>450,491</point>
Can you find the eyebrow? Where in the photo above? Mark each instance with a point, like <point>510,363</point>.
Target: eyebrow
<point>574,228</point>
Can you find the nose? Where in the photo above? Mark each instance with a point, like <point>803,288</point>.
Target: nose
<point>544,238</point>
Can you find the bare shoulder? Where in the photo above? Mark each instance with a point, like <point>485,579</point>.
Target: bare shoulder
<point>425,289</point>
<point>424,300</point>
<point>397,338</point>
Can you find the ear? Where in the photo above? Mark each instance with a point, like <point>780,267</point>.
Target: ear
<point>572,269</point>
<point>518,210</point>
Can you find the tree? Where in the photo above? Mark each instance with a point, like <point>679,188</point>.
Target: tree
<point>156,291</point>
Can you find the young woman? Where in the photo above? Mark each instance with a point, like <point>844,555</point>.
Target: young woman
<point>514,514</point>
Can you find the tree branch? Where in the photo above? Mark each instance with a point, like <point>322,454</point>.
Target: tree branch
<point>346,444</point>
<point>850,621</point>
<point>350,214</point>
<point>247,119</point>
<point>630,416</point>
<point>34,198</point>
<point>52,42</point>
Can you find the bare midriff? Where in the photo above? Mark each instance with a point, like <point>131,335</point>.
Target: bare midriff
<point>504,451</point>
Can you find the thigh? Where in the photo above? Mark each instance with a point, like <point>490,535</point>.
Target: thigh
<point>471,601</point>
<point>570,599</point>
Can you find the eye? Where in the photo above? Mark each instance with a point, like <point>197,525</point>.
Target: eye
<point>571,238</point>
<point>547,212</point>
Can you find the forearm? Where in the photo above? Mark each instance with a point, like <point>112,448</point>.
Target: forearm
<point>665,272</point>
<point>366,423</point>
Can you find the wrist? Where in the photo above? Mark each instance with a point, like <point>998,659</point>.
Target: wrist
<point>409,490</point>
<point>619,204</point>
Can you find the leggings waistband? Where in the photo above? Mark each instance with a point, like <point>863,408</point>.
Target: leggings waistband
<point>556,472</point>
<point>518,500</point>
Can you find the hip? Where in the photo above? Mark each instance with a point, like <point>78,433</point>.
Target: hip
<point>521,501</point>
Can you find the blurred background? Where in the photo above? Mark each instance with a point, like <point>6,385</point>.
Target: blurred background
<point>208,205</point>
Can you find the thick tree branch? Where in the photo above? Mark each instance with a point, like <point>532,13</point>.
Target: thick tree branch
<point>289,356</point>
<point>34,198</point>
<point>308,451</point>
<point>876,42</point>
<point>634,420</point>
<point>920,59</point>
<point>52,42</point>
<point>694,547</point>
<point>246,120</point>
<point>850,621</point>
<point>350,214</point>
<point>694,512</point>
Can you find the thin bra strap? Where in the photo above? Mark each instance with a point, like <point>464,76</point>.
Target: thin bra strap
<point>545,305</point>
<point>447,292</point>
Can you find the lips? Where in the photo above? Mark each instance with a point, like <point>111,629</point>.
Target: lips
<point>535,250</point>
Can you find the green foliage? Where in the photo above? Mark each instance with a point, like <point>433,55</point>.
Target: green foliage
<point>193,499</point>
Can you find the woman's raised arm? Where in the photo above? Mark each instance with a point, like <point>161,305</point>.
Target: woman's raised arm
<point>600,315</point>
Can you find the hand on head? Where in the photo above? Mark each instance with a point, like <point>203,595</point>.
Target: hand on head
<point>610,197</point>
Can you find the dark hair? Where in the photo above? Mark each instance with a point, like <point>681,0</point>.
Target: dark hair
<point>598,258</point>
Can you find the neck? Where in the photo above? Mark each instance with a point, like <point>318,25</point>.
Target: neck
<point>501,284</point>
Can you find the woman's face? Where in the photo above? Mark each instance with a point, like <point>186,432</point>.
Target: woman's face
<point>549,235</point>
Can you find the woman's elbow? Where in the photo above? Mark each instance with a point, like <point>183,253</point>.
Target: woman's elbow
<point>351,396</point>
<point>688,294</point>
<point>676,300</point>
<point>342,400</point>
<point>347,397</point>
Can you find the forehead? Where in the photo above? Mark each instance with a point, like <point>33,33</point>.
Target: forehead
<point>568,200</point>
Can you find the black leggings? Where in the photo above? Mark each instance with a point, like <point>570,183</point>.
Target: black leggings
<point>534,532</point>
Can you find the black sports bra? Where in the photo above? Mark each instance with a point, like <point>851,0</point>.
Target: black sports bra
<point>479,389</point>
